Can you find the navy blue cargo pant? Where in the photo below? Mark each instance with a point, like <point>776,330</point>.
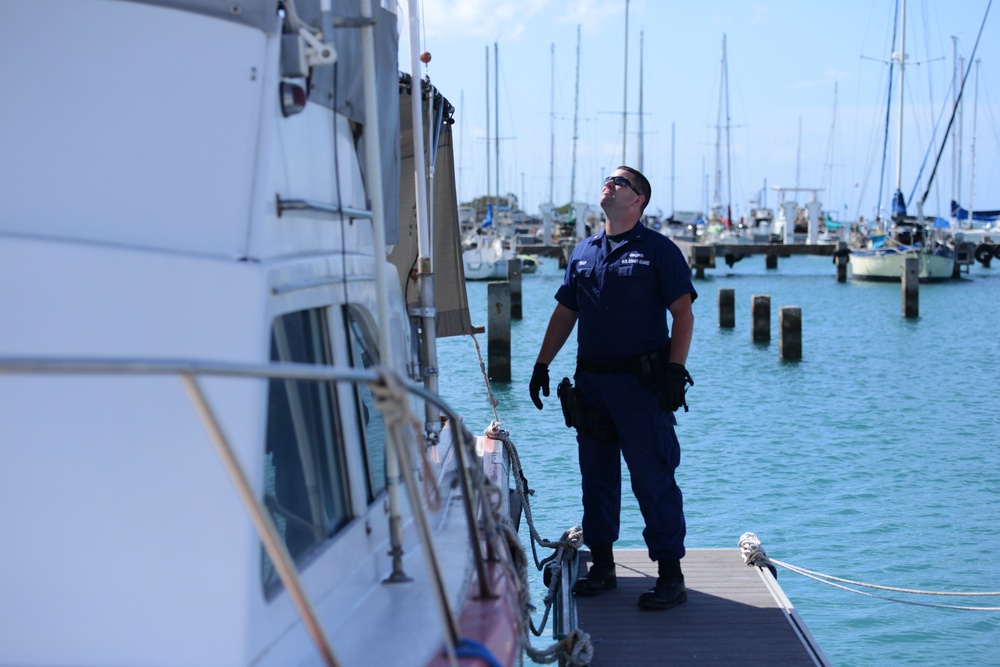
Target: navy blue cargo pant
<point>646,438</point>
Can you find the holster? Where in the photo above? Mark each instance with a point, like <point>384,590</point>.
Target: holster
<point>565,392</point>
<point>577,414</point>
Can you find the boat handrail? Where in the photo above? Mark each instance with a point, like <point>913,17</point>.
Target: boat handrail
<point>283,205</point>
<point>188,371</point>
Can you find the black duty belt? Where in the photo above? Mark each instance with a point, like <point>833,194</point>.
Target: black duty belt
<point>641,364</point>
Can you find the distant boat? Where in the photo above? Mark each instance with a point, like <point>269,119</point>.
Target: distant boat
<point>486,258</point>
<point>884,259</point>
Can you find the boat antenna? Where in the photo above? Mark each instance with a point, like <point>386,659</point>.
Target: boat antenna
<point>958,101</point>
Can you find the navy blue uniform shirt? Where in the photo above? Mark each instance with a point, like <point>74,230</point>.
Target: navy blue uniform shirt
<point>622,295</point>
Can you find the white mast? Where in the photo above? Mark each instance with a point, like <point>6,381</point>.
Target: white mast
<point>639,160</point>
<point>496,119</point>
<point>901,56</point>
<point>955,73</point>
<point>576,111</point>
<point>673,128</point>
<point>487,80</point>
<point>625,95</point>
<point>972,149</point>
<point>552,127</point>
<point>829,152</point>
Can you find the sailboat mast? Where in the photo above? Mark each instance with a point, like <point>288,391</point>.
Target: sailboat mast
<point>960,116</point>
<point>496,115</point>
<point>899,207</point>
<point>829,152</point>
<point>673,137</point>
<point>972,148</point>
<point>729,173</point>
<point>798,158</point>
<point>717,194</point>
<point>639,160</point>
<point>487,80</point>
<point>576,111</point>
<point>625,95</point>
<point>955,167</point>
<point>552,127</point>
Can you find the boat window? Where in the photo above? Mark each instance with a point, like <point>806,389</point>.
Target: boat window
<point>305,475</point>
<point>364,354</point>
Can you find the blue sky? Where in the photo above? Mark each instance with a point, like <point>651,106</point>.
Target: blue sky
<point>784,60</point>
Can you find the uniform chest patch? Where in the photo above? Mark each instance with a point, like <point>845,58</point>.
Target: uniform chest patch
<point>635,258</point>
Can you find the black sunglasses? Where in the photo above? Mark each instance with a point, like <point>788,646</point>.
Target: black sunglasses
<point>621,180</point>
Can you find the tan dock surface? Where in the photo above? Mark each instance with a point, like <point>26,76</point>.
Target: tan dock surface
<point>734,614</point>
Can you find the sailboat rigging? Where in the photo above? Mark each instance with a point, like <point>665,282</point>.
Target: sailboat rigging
<point>883,256</point>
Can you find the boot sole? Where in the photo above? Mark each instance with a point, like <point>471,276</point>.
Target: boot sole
<point>591,592</point>
<point>659,606</point>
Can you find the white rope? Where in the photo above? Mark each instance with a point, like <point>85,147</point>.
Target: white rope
<point>486,379</point>
<point>754,555</point>
<point>392,400</point>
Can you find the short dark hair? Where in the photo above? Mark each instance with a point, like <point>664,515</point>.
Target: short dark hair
<point>641,183</point>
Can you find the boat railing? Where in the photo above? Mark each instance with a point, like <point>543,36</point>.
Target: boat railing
<point>282,205</point>
<point>189,372</point>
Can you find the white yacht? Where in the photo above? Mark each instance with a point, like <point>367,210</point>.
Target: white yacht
<point>214,450</point>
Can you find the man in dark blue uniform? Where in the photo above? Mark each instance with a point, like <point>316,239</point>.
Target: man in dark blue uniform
<point>630,378</point>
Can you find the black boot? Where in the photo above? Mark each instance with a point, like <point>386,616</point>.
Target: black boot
<point>601,576</point>
<point>669,590</point>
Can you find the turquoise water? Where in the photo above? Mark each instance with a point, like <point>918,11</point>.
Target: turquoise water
<point>876,458</point>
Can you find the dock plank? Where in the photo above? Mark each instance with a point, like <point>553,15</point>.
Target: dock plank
<point>734,614</point>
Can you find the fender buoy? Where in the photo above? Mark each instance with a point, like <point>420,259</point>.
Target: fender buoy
<point>984,253</point>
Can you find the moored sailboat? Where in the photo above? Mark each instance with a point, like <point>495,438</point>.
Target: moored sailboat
<point>883,256</point>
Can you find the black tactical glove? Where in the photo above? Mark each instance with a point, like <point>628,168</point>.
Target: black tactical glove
<point>673,384</point>
<point>539,380</point>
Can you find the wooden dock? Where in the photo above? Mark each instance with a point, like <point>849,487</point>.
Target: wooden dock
<point>734,614</point>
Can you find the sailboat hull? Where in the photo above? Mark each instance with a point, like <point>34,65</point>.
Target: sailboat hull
<point>886,264</point>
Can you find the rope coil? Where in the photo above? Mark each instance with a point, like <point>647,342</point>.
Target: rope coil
<point>575,649</point>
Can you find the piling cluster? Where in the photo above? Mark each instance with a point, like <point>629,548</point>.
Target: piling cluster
<point>789,322</point>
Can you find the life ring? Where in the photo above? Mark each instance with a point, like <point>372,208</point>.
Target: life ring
<point>984,253</point>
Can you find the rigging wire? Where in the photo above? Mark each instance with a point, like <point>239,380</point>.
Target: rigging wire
<point>958,101</point>
<point>930,145</point>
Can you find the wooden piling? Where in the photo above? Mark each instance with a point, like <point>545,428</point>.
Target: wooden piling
<point>498,331</point>
<point>840,257</point>
<point>761,313</point>
<point>790,333</point>
<point>727,307</point>
<point>514,270</point>
<point>911,287</point>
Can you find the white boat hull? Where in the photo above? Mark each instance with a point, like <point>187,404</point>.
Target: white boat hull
<point>487,261</point>
<point>161,208</point>
<point>886,264</point>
